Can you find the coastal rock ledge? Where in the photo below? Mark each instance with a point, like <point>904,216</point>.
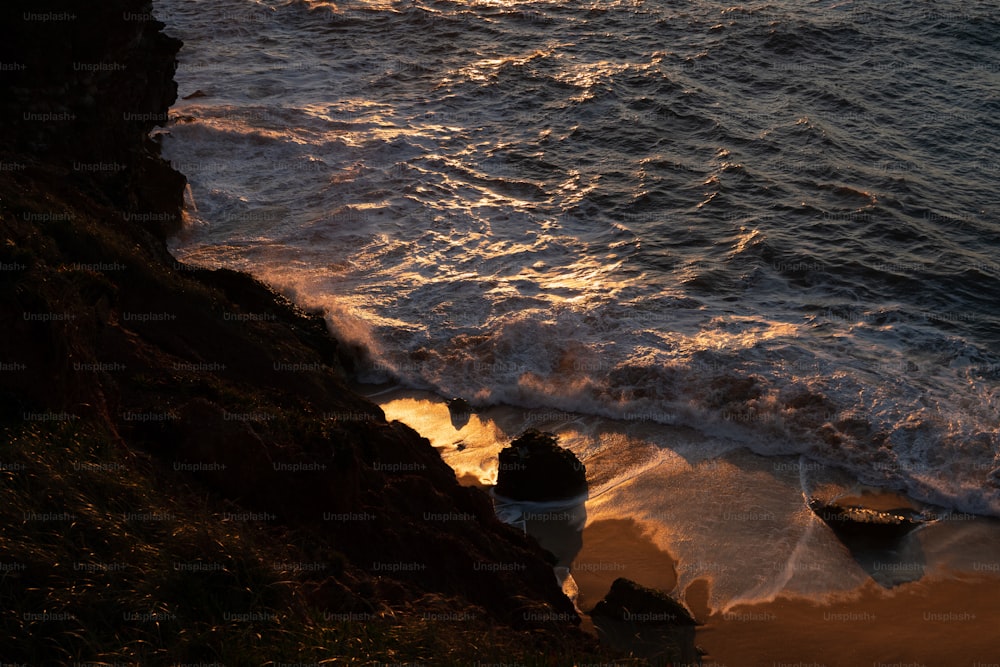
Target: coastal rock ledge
<point>628,601</point>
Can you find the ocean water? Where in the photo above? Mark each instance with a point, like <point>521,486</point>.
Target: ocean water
<point>776,223</point>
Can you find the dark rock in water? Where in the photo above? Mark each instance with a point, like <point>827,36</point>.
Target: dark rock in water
<point>875,538</point>
<point>646,623</point>
<point>460,412</point>
<point>630,602</point>
<point>535,467</point>
<point>459,406</point>
<point>855,525</point>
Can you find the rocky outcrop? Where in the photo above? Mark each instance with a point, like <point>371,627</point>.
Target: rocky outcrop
<point>535,467</point>
<point>649,623</point>
<point>630,602</point>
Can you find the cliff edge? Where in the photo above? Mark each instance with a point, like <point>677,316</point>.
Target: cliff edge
<point>130,381</point>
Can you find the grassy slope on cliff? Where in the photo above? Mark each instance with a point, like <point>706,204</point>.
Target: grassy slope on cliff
<point>131,564</point>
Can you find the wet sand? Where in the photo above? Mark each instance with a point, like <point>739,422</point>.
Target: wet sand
<point>926,615</point>
<point>934,622</point>
<point>617,548</point>
<point>940,620</point>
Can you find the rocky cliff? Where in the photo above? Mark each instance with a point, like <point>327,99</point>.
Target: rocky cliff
<point>220,383</point>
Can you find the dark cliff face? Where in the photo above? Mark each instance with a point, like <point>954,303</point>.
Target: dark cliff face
<point>83,84</point>
<point>208,371</point>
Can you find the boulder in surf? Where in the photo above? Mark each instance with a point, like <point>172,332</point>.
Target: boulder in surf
<point>534,467</point>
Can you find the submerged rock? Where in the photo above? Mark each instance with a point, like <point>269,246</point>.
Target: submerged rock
<point>459,406</point>
<point>876,536</point>
<point>460,412</point>
<point>535,467</point>
<point>854,523</point>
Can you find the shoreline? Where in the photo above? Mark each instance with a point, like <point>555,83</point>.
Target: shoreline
<point>879,620</point>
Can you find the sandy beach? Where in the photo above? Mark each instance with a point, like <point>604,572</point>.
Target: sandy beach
<point>931,603</point>
<point>935,622</point>
<point>942,620</point>
<point>617,548</point>
<point>939,621</point>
